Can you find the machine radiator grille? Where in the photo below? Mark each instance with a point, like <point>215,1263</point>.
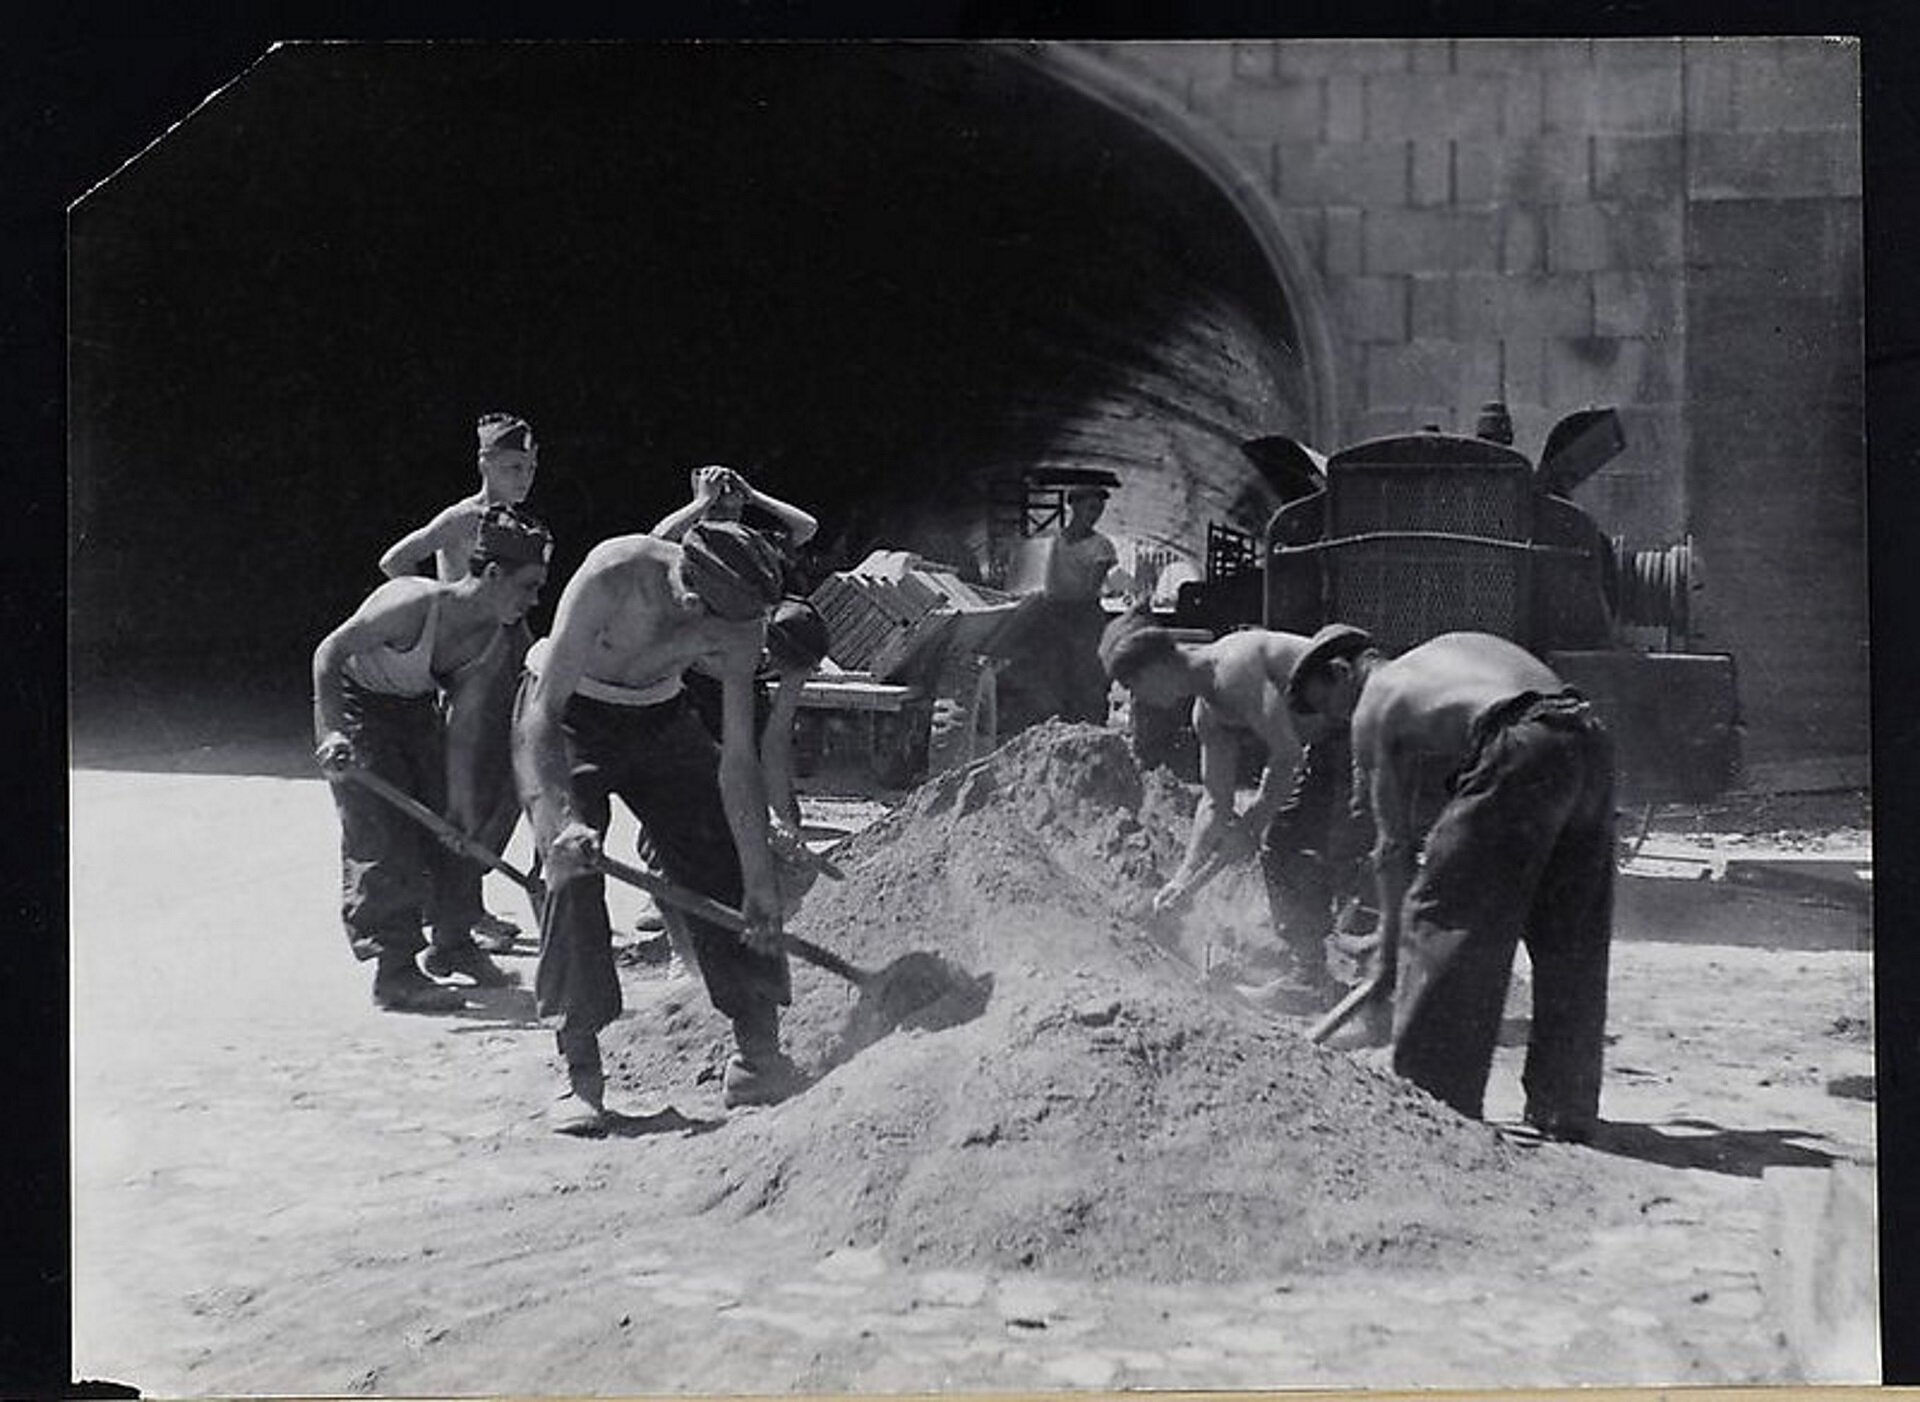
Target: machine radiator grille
<point>1406,591</point>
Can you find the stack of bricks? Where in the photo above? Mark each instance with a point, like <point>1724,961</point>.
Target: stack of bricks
<point>889,613</point>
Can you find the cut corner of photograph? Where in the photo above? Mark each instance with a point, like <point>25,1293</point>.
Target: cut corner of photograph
<point>875,718</point>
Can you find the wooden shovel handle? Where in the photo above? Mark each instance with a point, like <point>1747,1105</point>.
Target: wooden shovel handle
<point>1341,1013</point>
<point>446,831</point>
<point>725,916</point>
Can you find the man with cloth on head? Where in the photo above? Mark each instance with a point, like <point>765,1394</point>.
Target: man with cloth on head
<point>376,684</point>
<point>603,711</point>
<point>1522,850</point>
<point>1237,684</point>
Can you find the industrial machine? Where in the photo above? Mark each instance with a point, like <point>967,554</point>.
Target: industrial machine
<point>1418,534</point>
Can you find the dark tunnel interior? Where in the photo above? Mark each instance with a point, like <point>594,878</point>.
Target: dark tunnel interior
<point>869,275</point>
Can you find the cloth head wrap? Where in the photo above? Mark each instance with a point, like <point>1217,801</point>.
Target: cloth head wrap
<point>1129,642</point>
<point>1336,640</point>
<point>797,634</point>
<point>510,537</point>
<point>734,570</point>
<point>505,433</point>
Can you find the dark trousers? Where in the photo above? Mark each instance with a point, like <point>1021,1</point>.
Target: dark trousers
<point>666,769</point>
<point>1312,853</point>
<point>1073,654</point>
<point>1523,851</point>
<point>395,876</point>
<point>478,708</point>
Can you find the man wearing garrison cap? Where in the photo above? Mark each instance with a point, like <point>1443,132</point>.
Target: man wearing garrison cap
<point>478,703</point>
<point>376,685</point>
<point>603,711</point>
<point>1522,851</point>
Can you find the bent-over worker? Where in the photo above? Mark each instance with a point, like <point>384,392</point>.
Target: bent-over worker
<point>376,684</point>
<point>1237,684</point>
<point>1522,851</point>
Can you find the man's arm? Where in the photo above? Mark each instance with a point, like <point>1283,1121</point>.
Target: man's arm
<point>743,794</point>
<point>443,532</point>
<point>675,523</point>
<point>800,525</point>
<point>1276,777</point>
<point>1379,787</point>
<point>391,614</point>
<point>1213,817</point>
<point>540,765</point>
<point>776,746</point>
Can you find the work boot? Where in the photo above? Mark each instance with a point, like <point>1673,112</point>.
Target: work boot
<point>444,961</point>
<point>400,987</point>
<point>582,1111</point>
<point>1565,1127</point>
<point>759,1073</point>
<point>494,934</point>
<point>655,951</point>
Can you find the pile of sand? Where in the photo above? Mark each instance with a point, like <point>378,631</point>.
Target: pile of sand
<point>1109,1112</point>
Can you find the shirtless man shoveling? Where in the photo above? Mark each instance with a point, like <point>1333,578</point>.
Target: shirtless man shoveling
<point>1237,685</point>
<point>602,711</point>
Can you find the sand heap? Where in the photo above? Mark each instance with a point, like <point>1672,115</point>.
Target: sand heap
<point>1109,1112</point>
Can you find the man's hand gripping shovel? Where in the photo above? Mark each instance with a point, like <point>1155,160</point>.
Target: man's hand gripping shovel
<point>910,985</point>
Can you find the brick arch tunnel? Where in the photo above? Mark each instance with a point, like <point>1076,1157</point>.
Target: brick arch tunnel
<point>873,276</point>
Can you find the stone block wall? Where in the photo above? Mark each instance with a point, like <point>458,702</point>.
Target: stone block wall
<point>1668,226</point>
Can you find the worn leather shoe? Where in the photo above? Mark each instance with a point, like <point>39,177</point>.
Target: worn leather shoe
<point>471,960</point>
<point>765,1079</point>
<point>494,934</point>
<point>1568,1128</point>
<point>402,988</point>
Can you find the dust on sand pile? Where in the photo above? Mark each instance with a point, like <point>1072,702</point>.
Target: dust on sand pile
<point>1109,1112</point>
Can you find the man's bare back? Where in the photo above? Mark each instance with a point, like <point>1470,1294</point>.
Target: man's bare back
<point>1425,702</point>
<point>1249,688</point>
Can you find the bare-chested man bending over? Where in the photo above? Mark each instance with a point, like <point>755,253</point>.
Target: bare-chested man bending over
<point>1237,684</point>
<point>603,712</point>
<point>1522,852</point>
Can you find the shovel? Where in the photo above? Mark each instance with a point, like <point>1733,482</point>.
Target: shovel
<point>919,986</point>
<point>449,834</point>
<point>1170,913</point>
<point>1342,1012</point>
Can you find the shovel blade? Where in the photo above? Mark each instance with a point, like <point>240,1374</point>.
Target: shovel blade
<point>918,990</point>
<point>923,990</point>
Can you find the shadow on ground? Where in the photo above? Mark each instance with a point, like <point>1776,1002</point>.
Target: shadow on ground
<point>1742,1153</point>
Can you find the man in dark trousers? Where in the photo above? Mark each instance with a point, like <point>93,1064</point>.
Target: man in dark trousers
<point>1522,850</point>
<point>603,711</point>
<point>376,683</point>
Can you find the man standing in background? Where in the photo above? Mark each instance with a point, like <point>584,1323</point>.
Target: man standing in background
<point>1079,559</point>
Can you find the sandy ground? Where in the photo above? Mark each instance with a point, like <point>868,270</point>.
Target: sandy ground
<point>279,1189</point>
